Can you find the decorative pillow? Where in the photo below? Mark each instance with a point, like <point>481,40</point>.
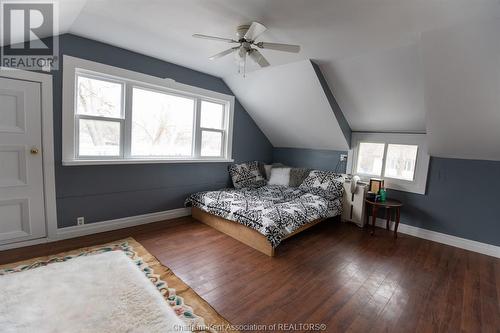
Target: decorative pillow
<point>279,176</point>
<point>327,184</point>
<point>297,176</point>
<point>246,175</point>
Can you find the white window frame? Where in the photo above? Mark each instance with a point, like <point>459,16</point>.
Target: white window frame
<point>419,183</point>
<point>72,67</point>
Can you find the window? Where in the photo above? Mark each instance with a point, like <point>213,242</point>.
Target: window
<point>99,116</point>
<point>401,159</point>
<point>162,124</point>
<point>212,133</point>
<point>113,115</point>
<point>370,158</point>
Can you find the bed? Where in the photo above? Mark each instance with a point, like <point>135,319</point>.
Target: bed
<point>263,217</point>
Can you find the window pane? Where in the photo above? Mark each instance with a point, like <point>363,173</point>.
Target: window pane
<point>400,162</point>
<point>212,115</point>
<point>99,98</point>
<point>99,138</point>
<point>162,124</point>
<point>370,158</point>
<point>211,144</point>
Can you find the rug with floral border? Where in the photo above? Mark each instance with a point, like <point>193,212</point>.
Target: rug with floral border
<point>198,315</point>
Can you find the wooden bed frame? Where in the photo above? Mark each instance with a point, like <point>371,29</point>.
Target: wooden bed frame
<point>243,233</point>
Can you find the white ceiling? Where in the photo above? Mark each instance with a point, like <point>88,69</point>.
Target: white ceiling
<point>287,101</point>
<point>385,60</point>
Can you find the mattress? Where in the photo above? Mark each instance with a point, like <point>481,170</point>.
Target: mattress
<point>274,211</point>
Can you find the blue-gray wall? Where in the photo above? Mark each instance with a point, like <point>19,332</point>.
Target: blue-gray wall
<point>310,158</point>
<point>107,192</point>
<point>462,200</point>
<point>462,197</point>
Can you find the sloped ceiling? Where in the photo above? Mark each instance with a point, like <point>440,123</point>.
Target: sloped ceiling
<point>68,12</point>
<point>286,102</point>
<point>392,65</point>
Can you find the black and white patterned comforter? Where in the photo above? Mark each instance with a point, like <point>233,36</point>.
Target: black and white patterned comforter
<point>274,211</point>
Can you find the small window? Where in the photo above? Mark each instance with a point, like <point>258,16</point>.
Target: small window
<point>99,137</point>
<point>401,161</point>
<point>212,135</point>
<point>370,158</point>
<point>99,117</point>
<point>212,115</point>
<point>97,97</point>
<point>211,143</point>
<point>112,116</point>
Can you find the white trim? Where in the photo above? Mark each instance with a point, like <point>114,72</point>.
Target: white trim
<point>23,244</point>
<point>73,66</point>
<point>93,228</point>
<point>419,184</point>
<point>45,81</point>
<point>146,161</point>
<point>462,243</point>
<point>350,158</point>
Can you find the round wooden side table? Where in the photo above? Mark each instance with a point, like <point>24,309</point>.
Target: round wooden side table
<point>389,205</point>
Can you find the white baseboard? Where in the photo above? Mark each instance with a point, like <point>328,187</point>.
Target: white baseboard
<point>467,244</point>
<point>93,228</point>
<point>23,243</point>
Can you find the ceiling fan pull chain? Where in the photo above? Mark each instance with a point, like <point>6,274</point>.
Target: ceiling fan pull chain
<point>245,67</point>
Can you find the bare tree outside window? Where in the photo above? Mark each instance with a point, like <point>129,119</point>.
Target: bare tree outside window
<point>99,99</point>
<point>137,119</point>
<point>162,124</point>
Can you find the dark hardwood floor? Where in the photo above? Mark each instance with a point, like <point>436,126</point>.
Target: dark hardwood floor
<point>333,273</point>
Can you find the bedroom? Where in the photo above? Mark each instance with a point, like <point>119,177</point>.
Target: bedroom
<point>118,133</point>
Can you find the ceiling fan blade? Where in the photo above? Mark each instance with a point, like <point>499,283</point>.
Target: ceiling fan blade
<point>255,30</point>
<point>258,58</point>
<point>223,53</point>
<point>279,47</point>
<point>219,39</point>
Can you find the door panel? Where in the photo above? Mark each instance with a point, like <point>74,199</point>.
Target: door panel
<point>12,166</point>
<point>15,219</point>
<point>12,116</point>
<point>22,213</point>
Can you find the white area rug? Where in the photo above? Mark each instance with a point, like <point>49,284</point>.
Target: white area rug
<point>97,293</point>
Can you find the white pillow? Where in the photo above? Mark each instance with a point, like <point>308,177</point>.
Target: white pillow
<point>279,176</point>
<point>267,169</point>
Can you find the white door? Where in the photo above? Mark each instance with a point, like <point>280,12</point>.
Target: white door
<point>22,213</point>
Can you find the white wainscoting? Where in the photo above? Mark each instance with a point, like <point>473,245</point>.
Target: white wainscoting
<point>467,244</point>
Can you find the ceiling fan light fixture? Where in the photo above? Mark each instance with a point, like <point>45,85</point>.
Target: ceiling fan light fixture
<point>247,35</point>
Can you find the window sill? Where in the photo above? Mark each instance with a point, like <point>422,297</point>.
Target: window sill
<point>397,184</point>
<point>144,161</point>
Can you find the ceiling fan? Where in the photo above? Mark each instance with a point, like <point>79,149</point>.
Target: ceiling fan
<point>247,35</point>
